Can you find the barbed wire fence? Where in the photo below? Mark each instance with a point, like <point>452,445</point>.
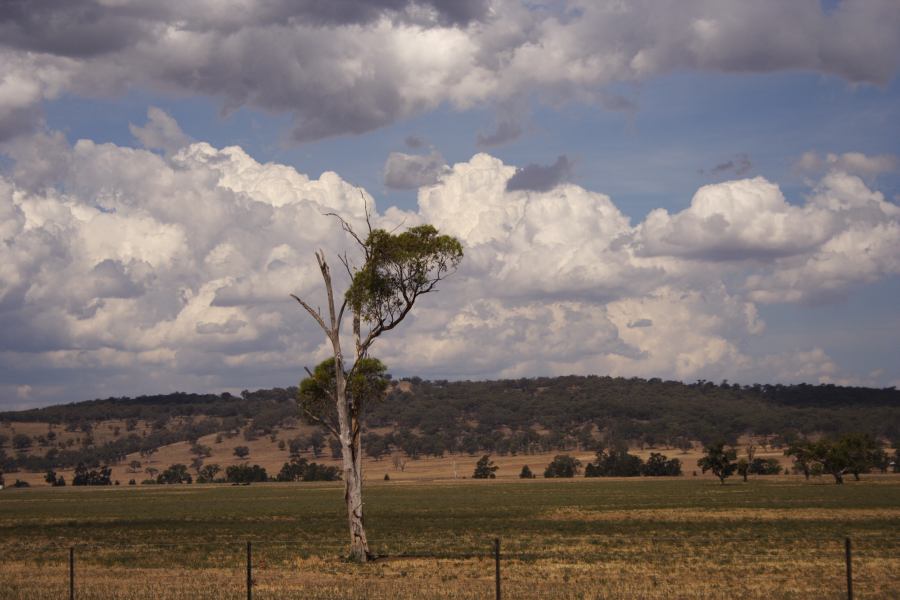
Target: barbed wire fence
<point>256,568</point>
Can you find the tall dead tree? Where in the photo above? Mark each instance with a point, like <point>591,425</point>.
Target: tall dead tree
<point>396,270</point>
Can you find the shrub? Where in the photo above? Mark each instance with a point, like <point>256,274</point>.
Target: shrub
<point>526,473</point>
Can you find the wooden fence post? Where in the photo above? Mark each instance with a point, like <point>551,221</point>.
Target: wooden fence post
<point>849,559</point>
<point>249,571</point>
<point>72,573</point>
<point>497,565</point>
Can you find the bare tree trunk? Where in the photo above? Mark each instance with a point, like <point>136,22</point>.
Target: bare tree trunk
<point>347,420</point>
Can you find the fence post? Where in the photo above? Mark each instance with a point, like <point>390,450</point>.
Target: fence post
<point>249,572</point>
<point>497,565</point>
<point>849,559</point>
<point>72,573</point>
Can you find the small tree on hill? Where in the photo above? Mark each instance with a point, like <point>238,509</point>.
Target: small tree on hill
<point>485,468</point>
<point>177,473</point>
<point>801,450</point>
<point>85,476</point>
<point>526,473</point>
<point>658,465</point>
<point>245,474</point>
<point>242,452</point>
<point>719,460</point>
<point>207,473</point>
<point>563,465</point>
<point>614,463</point>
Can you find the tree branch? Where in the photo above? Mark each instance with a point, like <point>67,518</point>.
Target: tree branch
<point>315,315</point>
<point>331,429</point>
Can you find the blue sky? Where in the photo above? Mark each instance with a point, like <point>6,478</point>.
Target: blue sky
<point>781,111</point>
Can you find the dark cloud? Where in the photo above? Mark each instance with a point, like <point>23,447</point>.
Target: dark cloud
<point>540,178</point>
<point>74,28</point>
<point>351,66</point>
<point>19,121</point>
<point>414,142</point>
<point>506,131</point>
<point>640,323</point>
<point>411,171</point>
<point>84,28</point>
<point>738,166</point>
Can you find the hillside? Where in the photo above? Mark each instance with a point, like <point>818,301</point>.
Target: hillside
<point>421,419</point>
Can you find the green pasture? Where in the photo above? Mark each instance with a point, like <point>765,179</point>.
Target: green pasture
<point>446,518</point>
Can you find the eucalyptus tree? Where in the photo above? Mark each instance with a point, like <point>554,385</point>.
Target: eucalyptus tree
<point>396,269</point>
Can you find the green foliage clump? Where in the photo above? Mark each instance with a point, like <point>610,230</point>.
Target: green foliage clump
<point>316,393</point>
<point>526,473</point>
<point>399,268</point>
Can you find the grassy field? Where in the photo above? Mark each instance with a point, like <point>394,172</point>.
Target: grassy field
<point>681,538</point>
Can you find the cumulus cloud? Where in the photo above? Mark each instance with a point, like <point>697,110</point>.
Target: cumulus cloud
<point>133,271</point>
<point>352,66</point>
<point>739,219</point>
<point>410,171</point>
<point>849,162</point>
<point>540,178</point>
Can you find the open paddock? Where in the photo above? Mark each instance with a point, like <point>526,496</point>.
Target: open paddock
<point>581,538</point>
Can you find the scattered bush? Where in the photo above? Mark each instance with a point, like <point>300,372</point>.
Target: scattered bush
<point>485,468</point>
<point>245,474</point>
<point>299,469</point>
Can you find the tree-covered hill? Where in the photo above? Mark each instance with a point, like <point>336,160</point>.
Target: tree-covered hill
<point>522,415</point>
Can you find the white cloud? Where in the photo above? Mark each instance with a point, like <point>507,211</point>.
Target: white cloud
<point>740,219</point>
<point>143,272</point>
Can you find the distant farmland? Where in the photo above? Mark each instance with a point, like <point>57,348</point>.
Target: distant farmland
<point>666,538</point>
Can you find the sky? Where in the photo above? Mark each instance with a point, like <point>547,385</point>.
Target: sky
<point>686,190</point>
